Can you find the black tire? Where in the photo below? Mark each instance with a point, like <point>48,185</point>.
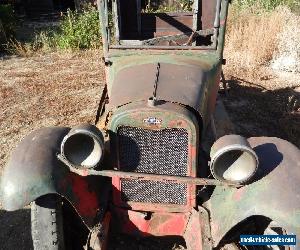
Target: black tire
<point>47,223</point>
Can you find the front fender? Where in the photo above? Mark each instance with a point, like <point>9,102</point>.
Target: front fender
<point>34,170</point>
<point>274,193</point>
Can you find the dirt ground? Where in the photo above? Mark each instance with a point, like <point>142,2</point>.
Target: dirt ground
<point>63,90</point>
<point>264,102</point>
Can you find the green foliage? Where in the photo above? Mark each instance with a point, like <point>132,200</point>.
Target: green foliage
<point>267,5</point>
<point>8,20</point>
<point>77,30</point>
<point>80,29</point>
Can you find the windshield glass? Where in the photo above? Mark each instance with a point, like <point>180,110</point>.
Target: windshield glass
<point>164,23</point>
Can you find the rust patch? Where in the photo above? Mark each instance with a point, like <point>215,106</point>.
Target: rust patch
<point>158,224</point>
<point>237,195</point>
<point>193,235</point>
<point>175,224</point>
<point>192,152</point>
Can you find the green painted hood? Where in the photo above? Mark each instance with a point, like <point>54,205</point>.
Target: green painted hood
<point>187,80</point>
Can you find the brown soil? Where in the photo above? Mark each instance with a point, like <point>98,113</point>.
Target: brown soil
<point>64,89</point>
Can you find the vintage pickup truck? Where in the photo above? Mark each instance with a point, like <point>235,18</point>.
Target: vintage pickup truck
<point>142,168</point>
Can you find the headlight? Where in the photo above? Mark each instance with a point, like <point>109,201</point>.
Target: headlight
<point>83,146</point>
<point>233,160</point>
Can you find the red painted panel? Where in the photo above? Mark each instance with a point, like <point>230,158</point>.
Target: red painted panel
<point>158,224</point>
<point>87,202</point>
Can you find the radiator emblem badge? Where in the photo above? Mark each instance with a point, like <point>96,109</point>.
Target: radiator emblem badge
<point>152,121</point>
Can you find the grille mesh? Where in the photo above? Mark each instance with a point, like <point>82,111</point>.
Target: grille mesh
<point>157,152</point>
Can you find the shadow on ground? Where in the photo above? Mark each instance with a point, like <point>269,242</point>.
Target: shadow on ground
<point>257,111</point>
<point>15,230</point>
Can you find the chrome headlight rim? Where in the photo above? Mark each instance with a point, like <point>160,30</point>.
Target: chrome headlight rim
<point>222,150</point>
<point>90,134</point>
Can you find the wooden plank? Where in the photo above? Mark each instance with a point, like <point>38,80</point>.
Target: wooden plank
<point>160,24</point>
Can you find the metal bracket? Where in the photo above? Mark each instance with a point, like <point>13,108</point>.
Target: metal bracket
<point>207,241</point>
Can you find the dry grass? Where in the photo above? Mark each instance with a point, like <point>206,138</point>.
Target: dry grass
<point>56,89</point>
<point>287,56</point>
<point>16,47</point>
<point>251,39</point>
<point>263,101</point>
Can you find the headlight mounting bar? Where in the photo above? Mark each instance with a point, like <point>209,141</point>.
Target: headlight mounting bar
<point>145,176</point>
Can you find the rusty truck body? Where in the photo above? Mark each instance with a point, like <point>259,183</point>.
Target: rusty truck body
<point>143,167</point>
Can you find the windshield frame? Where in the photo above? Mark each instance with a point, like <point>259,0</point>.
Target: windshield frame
<point>221,13</point>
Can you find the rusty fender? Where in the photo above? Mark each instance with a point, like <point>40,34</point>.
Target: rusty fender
<point>34,170</point>
<point>274,193</point>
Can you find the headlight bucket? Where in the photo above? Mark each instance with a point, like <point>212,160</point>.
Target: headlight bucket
<point>83,146</point>
<point>233,160</point>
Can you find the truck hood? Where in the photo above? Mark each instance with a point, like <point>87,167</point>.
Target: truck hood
<point>190,85</point>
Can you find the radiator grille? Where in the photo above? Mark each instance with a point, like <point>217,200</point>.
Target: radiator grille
<point>157,152</point>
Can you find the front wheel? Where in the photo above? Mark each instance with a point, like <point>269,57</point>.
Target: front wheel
<point>47,223</point>
<point>55,225</point>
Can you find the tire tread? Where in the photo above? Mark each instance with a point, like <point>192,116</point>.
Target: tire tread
<point>46,223</point>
